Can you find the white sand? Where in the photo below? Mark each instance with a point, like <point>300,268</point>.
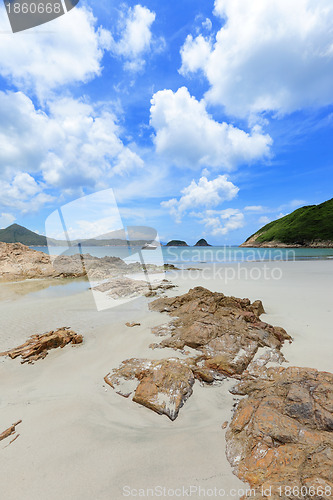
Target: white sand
<point>80,440</point>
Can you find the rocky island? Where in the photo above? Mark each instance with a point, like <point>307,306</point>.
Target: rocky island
<point>202,243</point>
<point>177,243</point>
<point>310,226</point>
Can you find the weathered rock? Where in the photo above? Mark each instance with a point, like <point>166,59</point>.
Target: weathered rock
<point>163,386</point>
<point>18,261</point>
<point>10,431</point>
<point>131,325</point>
<point>227,330</point>
<point>123,287</point>
<point>282,434</point>
<point>37,346</point>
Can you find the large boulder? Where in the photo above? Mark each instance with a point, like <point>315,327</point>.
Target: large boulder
<point>280,440</point>
<point>226,330</point>
<point>162,386</point>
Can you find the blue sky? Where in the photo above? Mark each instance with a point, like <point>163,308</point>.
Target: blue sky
<point>208,119</point>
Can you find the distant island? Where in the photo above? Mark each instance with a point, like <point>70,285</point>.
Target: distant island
<point>177,243</point>
<point>309,226</point>
<point>202,243</point>
<point>19,234</point>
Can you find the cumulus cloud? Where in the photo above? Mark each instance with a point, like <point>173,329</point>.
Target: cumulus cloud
<point>135,38</point>
<point>40,60</point>
<point>189,137</point>
<point>23,193</point>
<point>195,53</point>
<point>6,219</point>
<point>205,193</point>
<point>221,222</point>
<point>268,56</point>
<point>75,144</point>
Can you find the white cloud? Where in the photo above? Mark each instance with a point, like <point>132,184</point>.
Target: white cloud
<point>207,24</point>
<point>221,222</point>
<point>74,145</point>
<point>264,220</point>
<point>6,220</point>
<point>272,55</point>
<point>69,51</point>
<point>254,208</point>
<point>293,204</point>
<point>189,137</point>
<point>23,193</point>
<point>135,37</point>
<point>205,193</point>
<point>195,53</point>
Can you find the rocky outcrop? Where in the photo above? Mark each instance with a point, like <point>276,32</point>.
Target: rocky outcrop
<point>226,334</point>
<point>163,386</point>
<point>280,440</point>
<point>226,330</point>
<point>18,261</point>
<point>37,346</point>
<point>123,287</point>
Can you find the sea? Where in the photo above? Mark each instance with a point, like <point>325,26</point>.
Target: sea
<point>185,256</point>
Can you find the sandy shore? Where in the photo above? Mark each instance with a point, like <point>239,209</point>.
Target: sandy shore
<point>80,440</point>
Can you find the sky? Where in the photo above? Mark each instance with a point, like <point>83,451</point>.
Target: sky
<point>206,118</point>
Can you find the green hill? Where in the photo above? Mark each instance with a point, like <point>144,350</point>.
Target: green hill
<point>19,234</point>
<point>307,226</point>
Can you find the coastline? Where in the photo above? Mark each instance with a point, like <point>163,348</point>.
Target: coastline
<point>76,429</point>
<point>251,243</point>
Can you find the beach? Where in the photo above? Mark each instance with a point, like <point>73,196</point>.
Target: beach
<point>80,440</point>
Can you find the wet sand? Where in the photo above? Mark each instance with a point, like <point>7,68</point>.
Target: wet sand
<point>80,440</point>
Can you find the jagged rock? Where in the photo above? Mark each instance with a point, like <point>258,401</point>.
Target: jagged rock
<point>10,431</point>
<point>227,330</point>
<point>18,261</point>
<point>163,386</point>
<point>123,287</point>
<point>37,346</point>
<point>228,333</point>
<point>281,435</point>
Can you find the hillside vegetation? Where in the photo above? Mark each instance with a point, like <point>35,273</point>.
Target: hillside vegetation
<point>19,234</point>
<point>307,226</point>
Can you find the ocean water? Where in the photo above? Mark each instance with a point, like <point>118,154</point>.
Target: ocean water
<point>198,255</point>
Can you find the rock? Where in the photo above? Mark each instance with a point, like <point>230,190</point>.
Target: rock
<point>281,435</point>
<point>163,386</point>
<point>10,431</point>
<point>227,330</point>
<point>37,346</point>
<point>131,325</point>
<point>123,287</point>
<point>18,261</point>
